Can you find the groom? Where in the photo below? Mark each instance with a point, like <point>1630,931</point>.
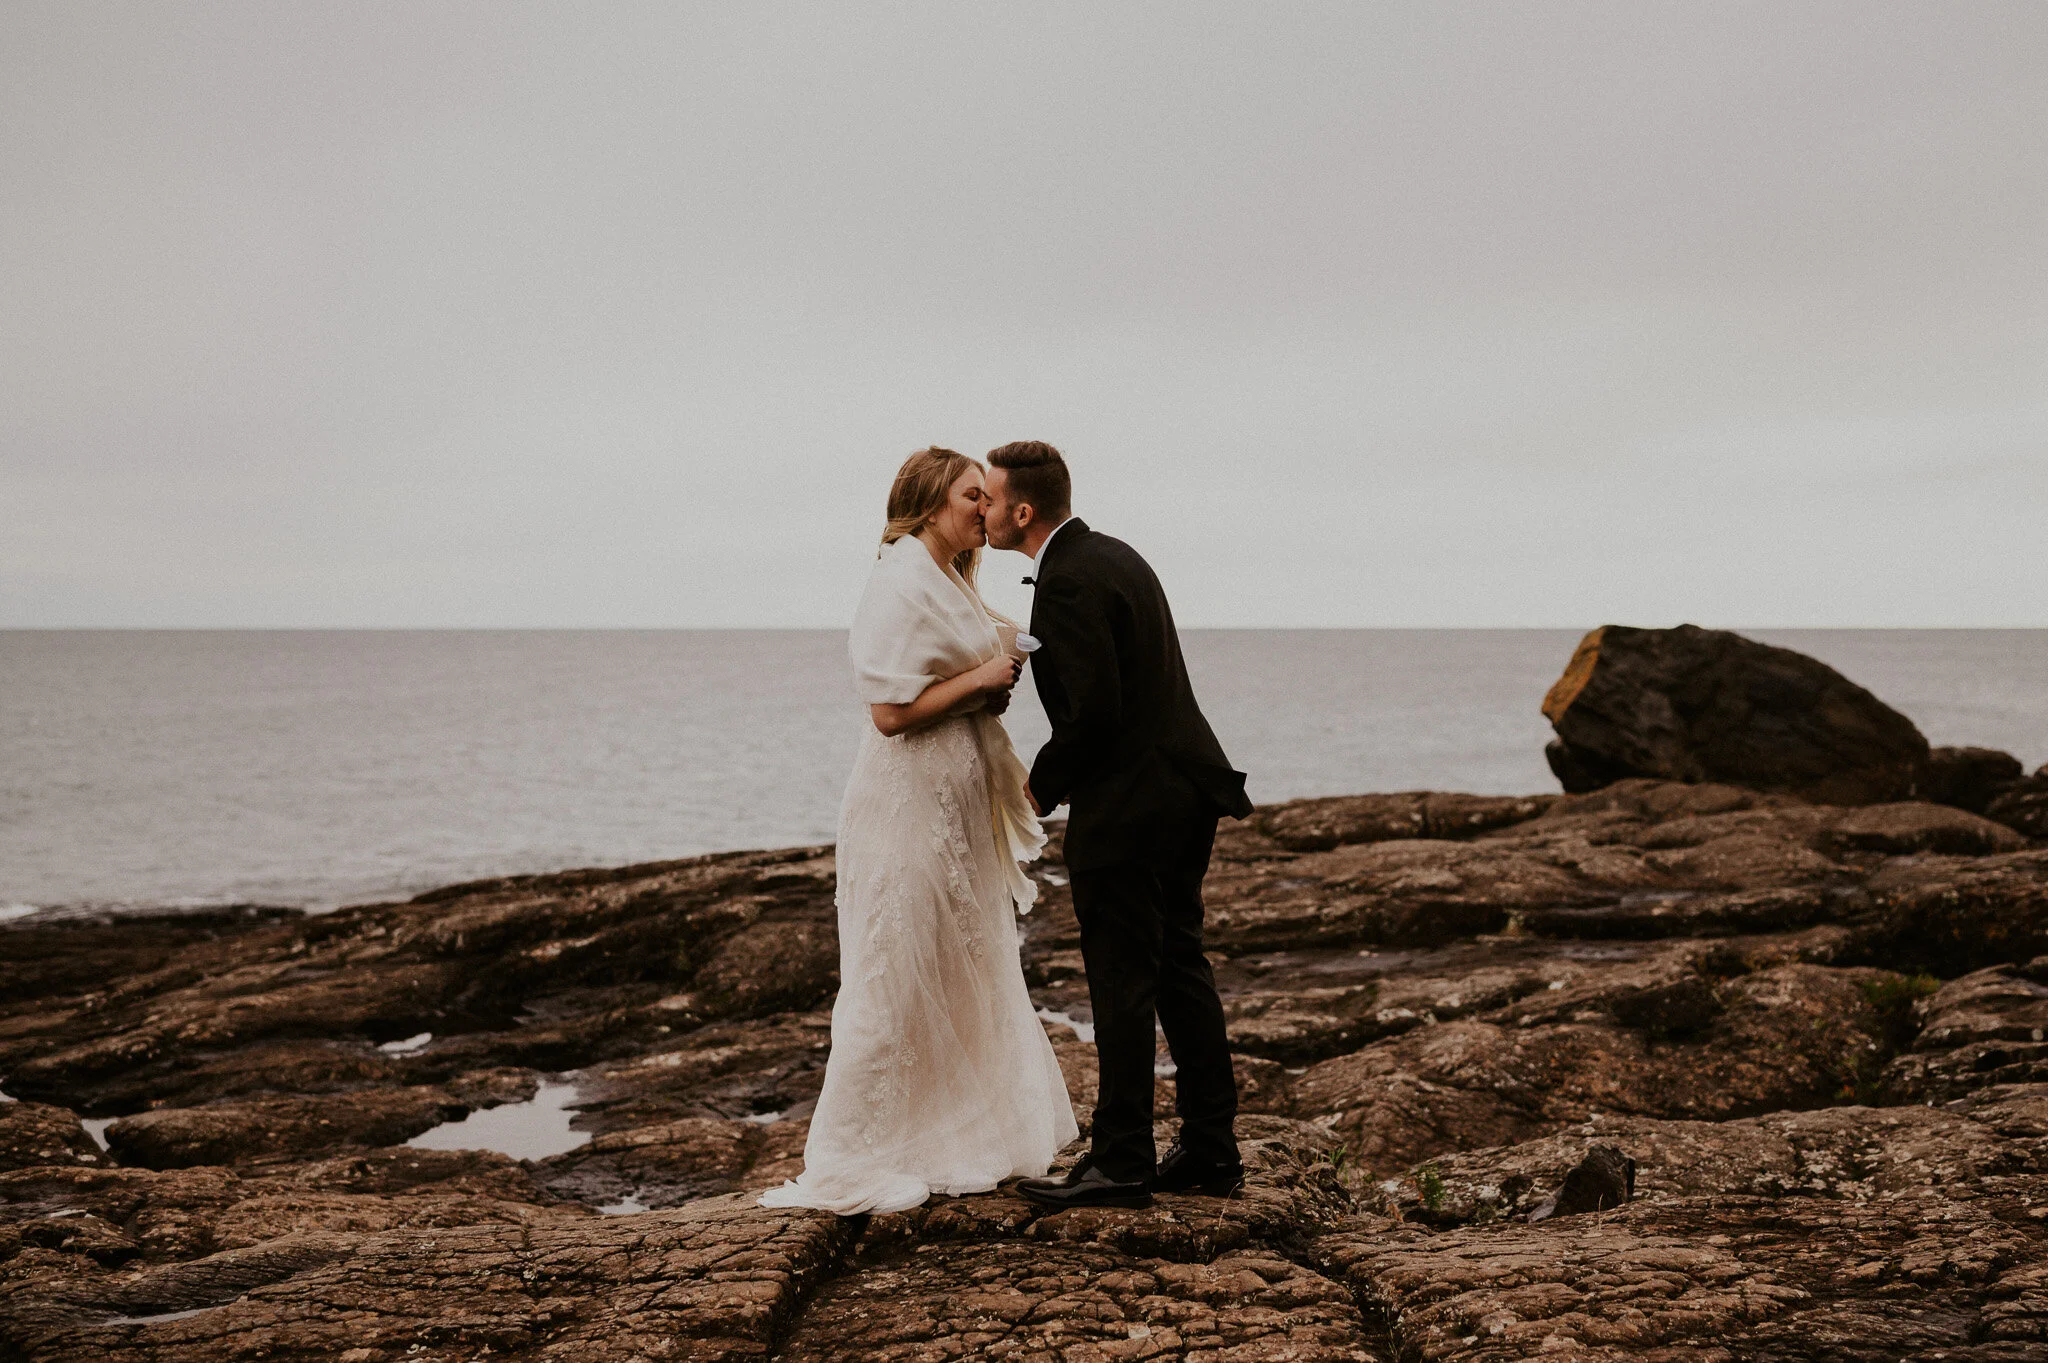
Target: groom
<point>1146,782</point>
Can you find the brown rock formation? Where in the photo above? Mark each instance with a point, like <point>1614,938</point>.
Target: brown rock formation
<point>1968,778</point>
<point>275,1124</point>
<point>2024,805</point>
<point>1989,1027</point>
<point>33,1135</point>
<point>1691,704</point>
<point>1443,1005</point>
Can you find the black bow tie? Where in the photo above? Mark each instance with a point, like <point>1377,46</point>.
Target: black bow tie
<point>1031,582</point>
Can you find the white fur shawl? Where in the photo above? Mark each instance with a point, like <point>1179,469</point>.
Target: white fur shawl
<point>919,623</point>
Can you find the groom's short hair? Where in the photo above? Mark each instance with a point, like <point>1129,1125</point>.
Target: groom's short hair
<point>1037,475</point>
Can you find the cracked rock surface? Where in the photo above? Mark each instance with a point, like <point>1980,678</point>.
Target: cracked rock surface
<point>1817,1031</point>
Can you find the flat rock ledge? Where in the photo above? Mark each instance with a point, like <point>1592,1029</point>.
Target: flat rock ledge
<point>1820,1033</point>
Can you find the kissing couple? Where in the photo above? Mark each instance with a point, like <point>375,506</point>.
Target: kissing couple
<point>941,1078</point>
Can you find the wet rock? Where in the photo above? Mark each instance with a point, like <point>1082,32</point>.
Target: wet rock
<point>665,1165</point>
<point>1711,1277</point>
<point>2023,806</point>
<point>1604,1178</point>
<point>1422,892</point>
<point>465,964</point>
<point>34,1134</point>
<point>1855,1154</point>
<point>1968,778</point>
<point>279,1124</point>
<point>1637,859</point>
<point>1298,1026</point>
<point>728,1071</point>
<point>420,1172</point>
<point>1684,913</point>
<point>170,1215</point>
<point>1417,892</point>
<point>1787,1037</point>
<point>787,960</point>
<point>1321,824</point>
<point>1952,915</point>
<point>492,1087</point>
<point>991,1276</point>
<point>1690,704</point>
<point>1313,1003</point>
<point>185,1214</point>
<point>1436,1017</point>
<point>717,1280</point>
<point>80,1233</point>
<point>1292,1188</point>
<point>1669,1010</point>
<point>259,1219</point>
<point>52,955</point>
<point>182,1079</point>
<point>1020,1300</point>
<point>1264,1087</point>
<point>1987,1028</point>
<point>1673,1159</point>
<point>1905,829</point>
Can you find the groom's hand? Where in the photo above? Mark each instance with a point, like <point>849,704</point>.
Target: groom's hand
<point>1032,795</point>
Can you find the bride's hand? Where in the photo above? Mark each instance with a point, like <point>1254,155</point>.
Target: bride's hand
<point>997,676</point>
<point>984,687</point>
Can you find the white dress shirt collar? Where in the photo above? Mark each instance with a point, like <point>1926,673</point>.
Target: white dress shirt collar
<point>1038,559</point>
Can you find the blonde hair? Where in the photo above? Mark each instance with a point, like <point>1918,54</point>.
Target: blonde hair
<point>919,494</point>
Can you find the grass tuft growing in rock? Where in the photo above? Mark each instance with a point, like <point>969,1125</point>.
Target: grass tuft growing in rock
<point>1893,998</point>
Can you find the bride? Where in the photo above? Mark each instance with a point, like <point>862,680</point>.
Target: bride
<point>940,1078</point>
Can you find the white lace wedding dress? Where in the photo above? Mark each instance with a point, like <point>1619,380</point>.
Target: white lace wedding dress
<point>940,1077</point>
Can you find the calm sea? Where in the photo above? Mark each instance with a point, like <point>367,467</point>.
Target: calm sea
<point>322,768</point>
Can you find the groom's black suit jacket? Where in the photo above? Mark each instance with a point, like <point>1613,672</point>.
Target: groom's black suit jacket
<point>1130,751</point>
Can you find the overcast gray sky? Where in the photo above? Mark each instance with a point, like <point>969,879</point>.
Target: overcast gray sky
<point>506,314</point>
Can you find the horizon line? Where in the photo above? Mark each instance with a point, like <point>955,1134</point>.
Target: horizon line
<point>841,629</point>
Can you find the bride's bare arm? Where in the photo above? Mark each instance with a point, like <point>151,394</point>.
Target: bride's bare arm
<point>998,674</point>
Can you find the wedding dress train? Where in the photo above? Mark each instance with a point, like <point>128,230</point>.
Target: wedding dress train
<point>940,1077</point>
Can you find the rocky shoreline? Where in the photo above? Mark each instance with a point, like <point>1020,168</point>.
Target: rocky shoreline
<point>1816,1030</point>
<point>1737,1050</point>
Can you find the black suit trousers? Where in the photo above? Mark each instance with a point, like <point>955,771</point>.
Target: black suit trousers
<point>1141,937</point>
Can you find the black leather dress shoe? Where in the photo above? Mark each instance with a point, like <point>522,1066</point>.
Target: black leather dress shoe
<point>1086,1186</point>
<point>1181,1173</point>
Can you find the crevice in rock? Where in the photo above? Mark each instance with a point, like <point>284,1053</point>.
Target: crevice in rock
<point>842,1263</point>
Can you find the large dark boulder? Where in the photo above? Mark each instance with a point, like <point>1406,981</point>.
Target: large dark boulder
<point>2024,805</point>
<point>1968,778</point>
<point>1692,704</point>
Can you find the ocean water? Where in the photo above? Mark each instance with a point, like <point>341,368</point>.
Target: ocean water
<point>320,768</point>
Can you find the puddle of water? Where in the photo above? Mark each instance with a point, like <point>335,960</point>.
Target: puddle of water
<point>407,1046</point>
<point>96,1127</point>
<point>534,1129</point>
<point>625,1206</point>
<point>1083,1030</point>
<point>765,1118</point>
